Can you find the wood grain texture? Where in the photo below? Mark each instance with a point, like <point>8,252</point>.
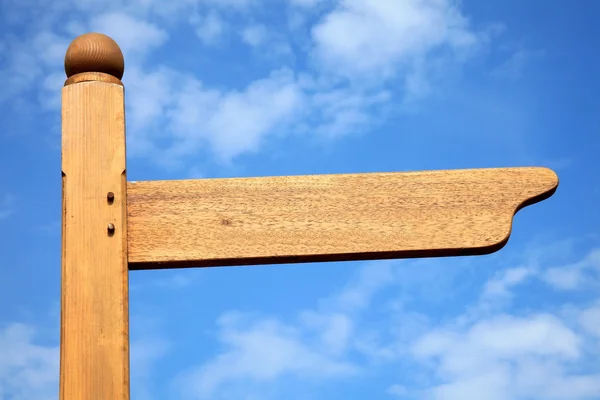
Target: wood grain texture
<point>242,221</point>
<point>94,52</point>
<point>94,352</point>
<point>92,77</point>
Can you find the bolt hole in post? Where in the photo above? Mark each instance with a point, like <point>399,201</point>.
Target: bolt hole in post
<point>110,199</point>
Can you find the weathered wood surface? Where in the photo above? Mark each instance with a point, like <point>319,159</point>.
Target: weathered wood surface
<point>243,221</point>
<point>94,351</point>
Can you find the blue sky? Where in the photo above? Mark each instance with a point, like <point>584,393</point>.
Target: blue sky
<point>235,88</point>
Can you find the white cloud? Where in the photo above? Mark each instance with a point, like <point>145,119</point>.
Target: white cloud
<point>30,369</point>
<point>357,38</point>
<point>193,116</point>
<point>508,354</point>
<point>358,293</point>
<point>500,353</point>
<point>145,353</point>
<point>398,390</point>
<point>7,206</point>
<point>50,47</point>
<point>241,120</point>
<point>165,280</point>
<point>589,319</point>
<point>228,122</point>
<point>235,4</point>
<point>513,357</point>
<point>305,3</point>
<point>269,45</point>
<point>21,79</point>
<point>575,275</point>
<point>335,329</point>
<point>564,278</point>
<point>514,66</point>
<point>135,37</point>
<point>209,28</point>
<point>501,337</point>
<point>382,37</point>
<point>254,35</point>
<point>569,276</point>
<point>507,279</point>
<point>27,370</point>
<point>259,351</point>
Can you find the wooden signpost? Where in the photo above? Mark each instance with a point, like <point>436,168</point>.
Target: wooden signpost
<point>111,226</point>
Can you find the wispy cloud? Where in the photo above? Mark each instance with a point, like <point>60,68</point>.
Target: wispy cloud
<point>500,352</point>
<point>501,285</point>
<point>28,370</point>
<point>209,28</point>
<point>7,206</point>
<point>29,361</point>
<point>516,64</point>
<point>166,280</point>
<point>508,357</point>
<point>342,85</point>
<point>577,275</point>
<point>146,352</point>
<point>388,37</point>
<point>512,351</point>
<point>260,349</point>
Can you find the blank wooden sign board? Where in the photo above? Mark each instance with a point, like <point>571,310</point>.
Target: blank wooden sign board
<point>111,226</point>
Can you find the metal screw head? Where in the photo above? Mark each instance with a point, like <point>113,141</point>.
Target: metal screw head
<point>111,228</point>
<point>110,197</point>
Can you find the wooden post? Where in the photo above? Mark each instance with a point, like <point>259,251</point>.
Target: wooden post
<point>94,356</point>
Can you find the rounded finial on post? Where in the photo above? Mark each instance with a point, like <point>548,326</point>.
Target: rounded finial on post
<point>94,57</point>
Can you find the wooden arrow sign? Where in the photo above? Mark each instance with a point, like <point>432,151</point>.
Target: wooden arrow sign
<point>195,223</point>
